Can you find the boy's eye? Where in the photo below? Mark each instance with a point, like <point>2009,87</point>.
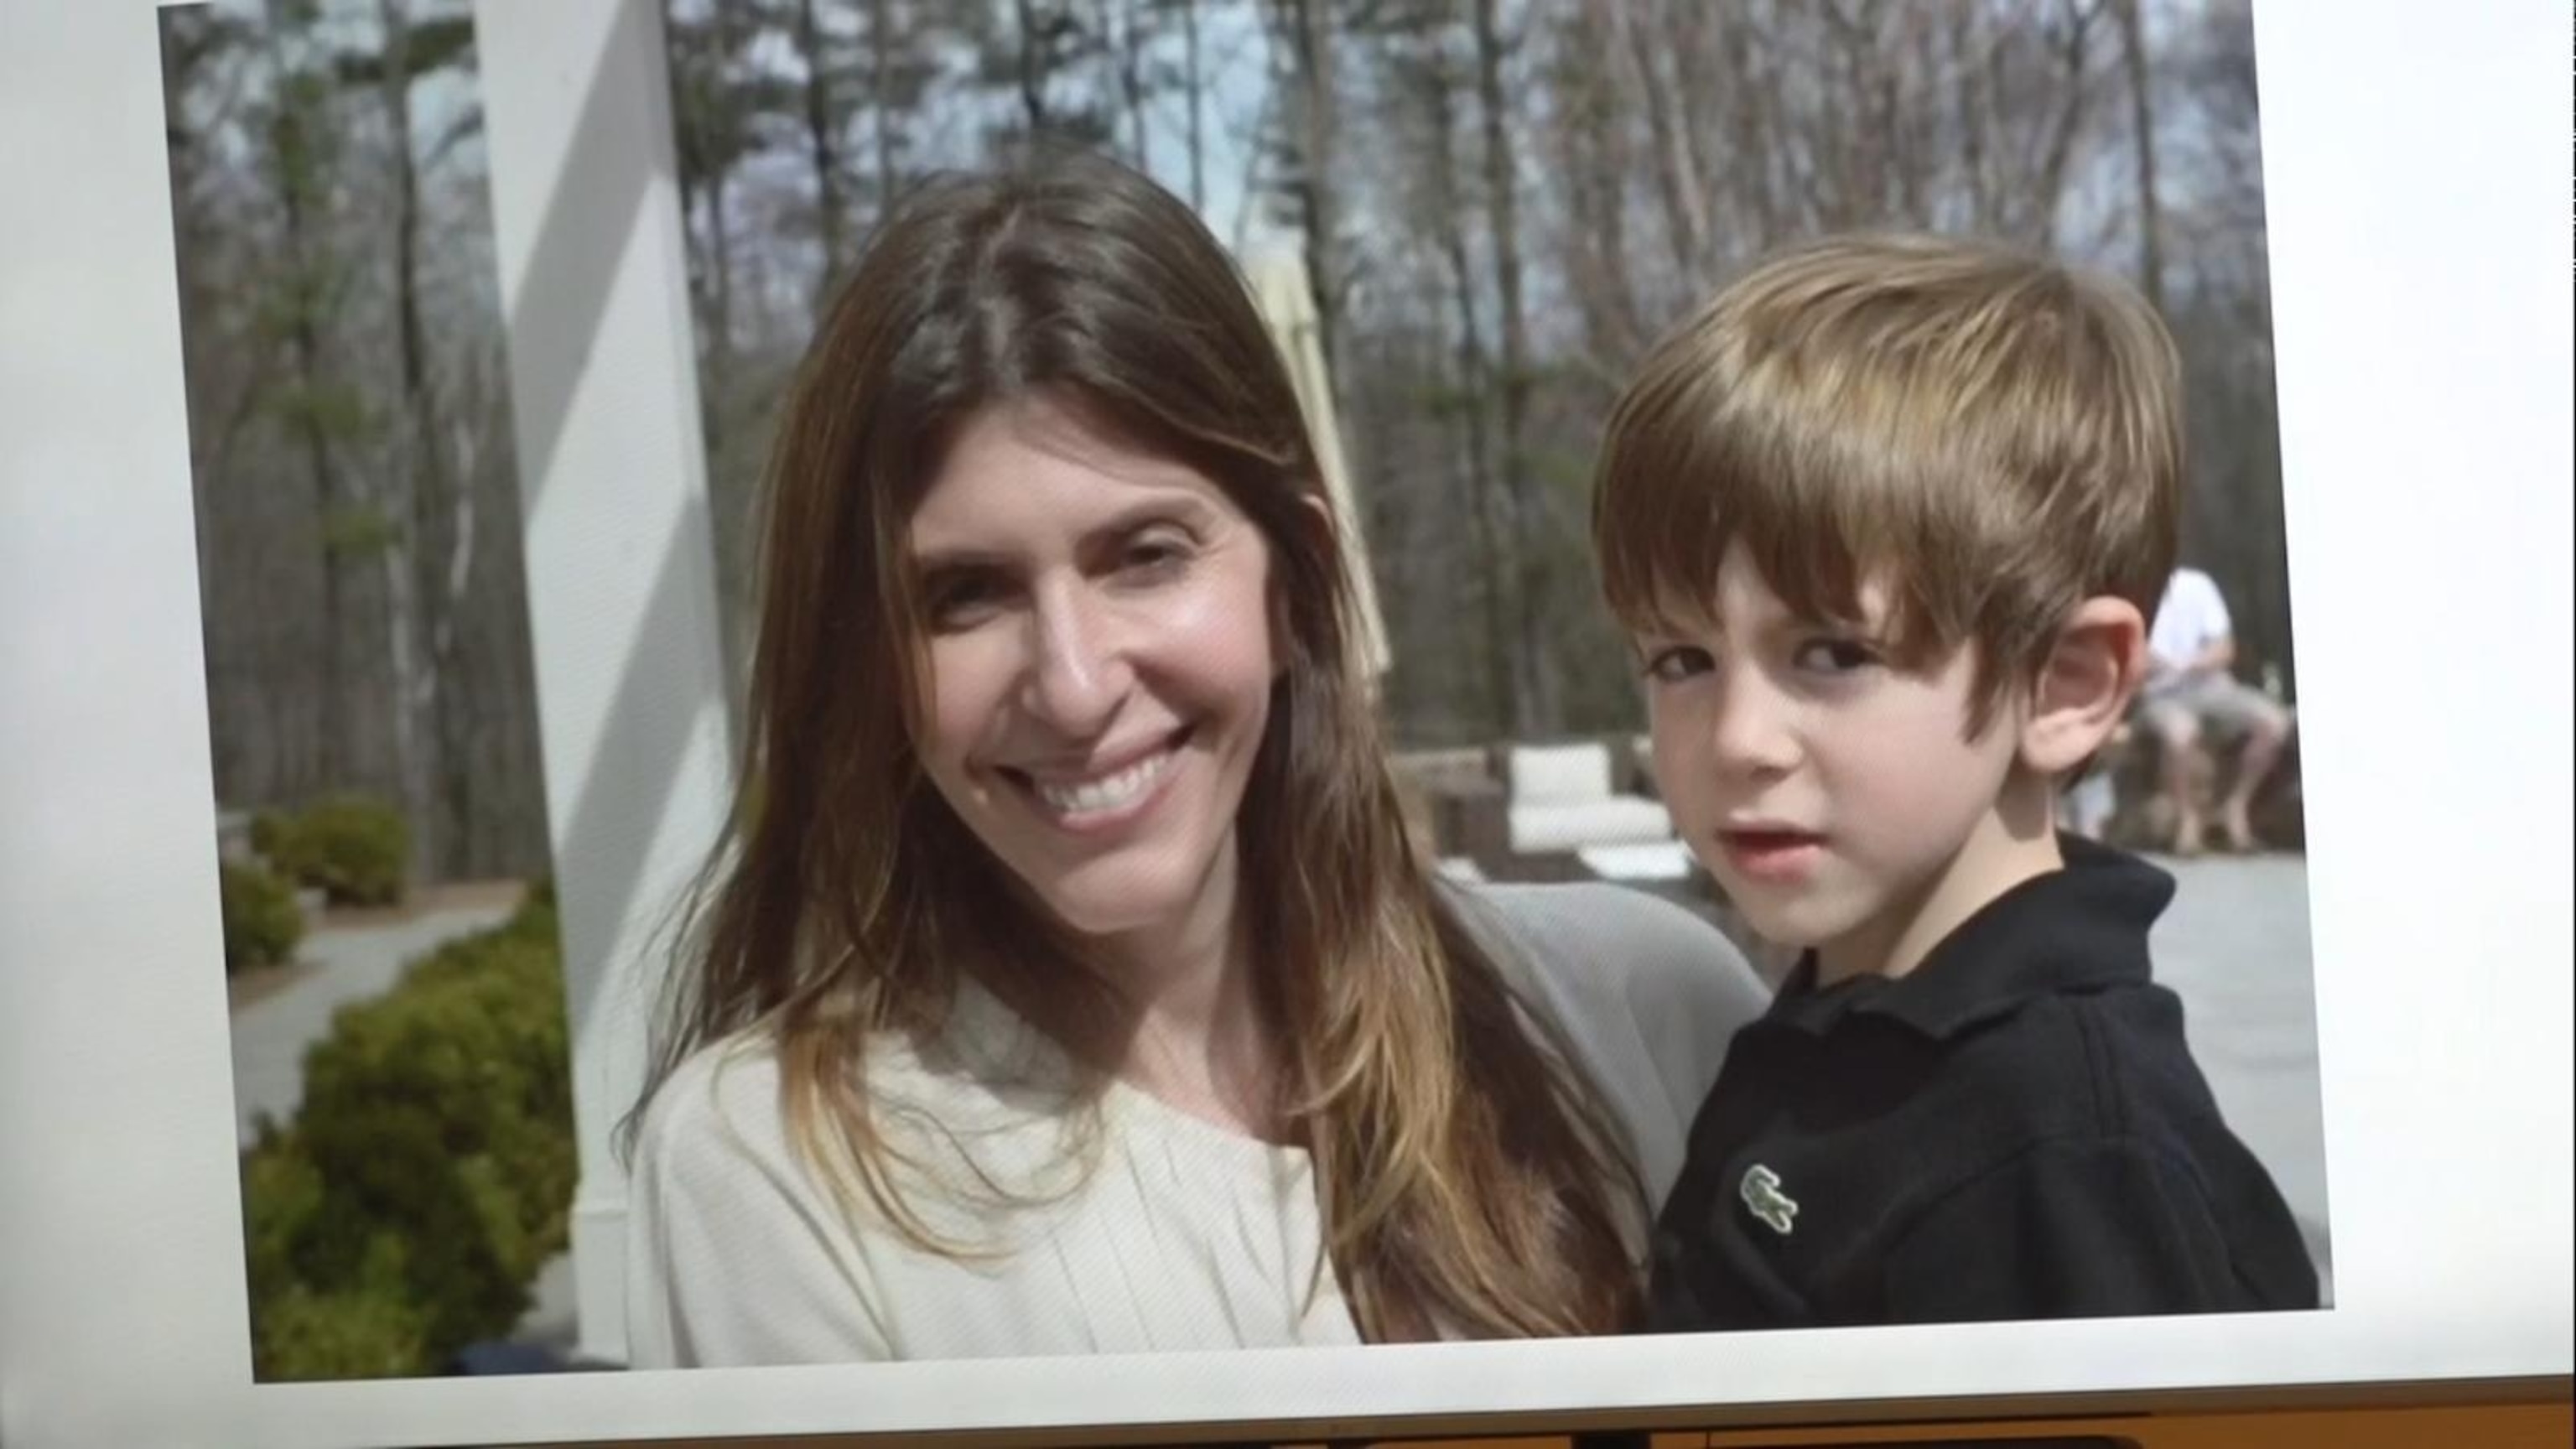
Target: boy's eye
<point>1835,655</point>
<point>1675,662</point>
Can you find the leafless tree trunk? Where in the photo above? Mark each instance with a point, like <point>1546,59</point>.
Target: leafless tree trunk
<point>1595,161</point>
<point>721,386</point>
<point>719,223</point>
<point>881,84</point>
<point>1190,61</point>
<point>1032,67</point>
<point>1900,37</point>
<point>1307,29</point>
<point>1677,179</point>
<point>2142,127</point>
<point>413,595</point>
<point>1534,695</point>
<point>1772,151</point>
<point>822,143</point>
<point>2074,55</point>
<point>1972,105</point>
<point>1489,508</point>
<point>294,140</point>
<point>1128,47</point>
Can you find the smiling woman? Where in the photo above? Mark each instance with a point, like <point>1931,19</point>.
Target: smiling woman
<point>1100,673</point>
<point>1067,981</point>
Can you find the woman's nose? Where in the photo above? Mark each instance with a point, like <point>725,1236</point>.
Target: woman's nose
<point>1080,671</point>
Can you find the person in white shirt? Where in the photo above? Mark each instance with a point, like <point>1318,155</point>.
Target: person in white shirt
<point>1068,982</point>
<point>2190,694</point>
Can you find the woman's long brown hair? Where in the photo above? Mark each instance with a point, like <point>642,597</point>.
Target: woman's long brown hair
<point>1468,1181</point>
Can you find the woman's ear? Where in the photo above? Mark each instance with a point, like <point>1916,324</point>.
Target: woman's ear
<point>2085,686</point>
<point>1318,516</point>
<point>1315,515</point>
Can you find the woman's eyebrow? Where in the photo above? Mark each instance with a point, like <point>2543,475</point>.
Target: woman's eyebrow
<point>1115,529</point>
<point>962,558</point>
<point>1154,505</point>
<point>1159,505</point>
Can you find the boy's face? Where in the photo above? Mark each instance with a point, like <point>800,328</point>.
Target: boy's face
<point>1836,797</point>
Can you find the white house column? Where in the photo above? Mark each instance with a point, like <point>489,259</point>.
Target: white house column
<point>621,569</point>
<point>1287,302</point>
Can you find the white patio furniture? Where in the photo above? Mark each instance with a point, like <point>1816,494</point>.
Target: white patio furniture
<point>1563,798</point>
<point>1656,863</point>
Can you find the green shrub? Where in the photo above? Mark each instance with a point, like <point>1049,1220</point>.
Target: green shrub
<point>261,921</point>
<point>353,1335</point>
<point>357,851</point>
<point>430,1171</point>
<point>268,832</point>
<point>368,1328</point>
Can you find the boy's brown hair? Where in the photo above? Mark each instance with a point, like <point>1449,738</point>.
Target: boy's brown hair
<point>1992,436</point>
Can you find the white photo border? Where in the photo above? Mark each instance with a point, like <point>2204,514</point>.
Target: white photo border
<point>2416,168</point>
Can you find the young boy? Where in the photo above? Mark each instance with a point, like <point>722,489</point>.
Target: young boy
<point>1888,519</point>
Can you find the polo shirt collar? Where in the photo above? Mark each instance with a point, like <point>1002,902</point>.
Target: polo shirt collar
<point>2080,928</point>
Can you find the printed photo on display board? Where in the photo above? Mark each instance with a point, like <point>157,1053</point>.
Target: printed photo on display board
<point>1040,996</point>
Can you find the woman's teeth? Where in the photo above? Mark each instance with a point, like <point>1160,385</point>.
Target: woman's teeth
<point>1091,797</point>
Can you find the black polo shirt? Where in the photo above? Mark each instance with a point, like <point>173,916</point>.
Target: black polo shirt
<point>2015,1129</point>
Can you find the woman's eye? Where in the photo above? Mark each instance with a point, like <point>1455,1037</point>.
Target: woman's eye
<point>1154,554</point>
<point>1835,655</point>
<point>1677,662</point>
<point>961,601</point>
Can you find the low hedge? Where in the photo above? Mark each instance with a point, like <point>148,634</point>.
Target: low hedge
<point>356,850</point>
<point>429,1173</point>
<point>261,920</point>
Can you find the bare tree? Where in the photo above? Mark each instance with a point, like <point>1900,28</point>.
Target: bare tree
<point>1304,33</point>
<point>822,143</point>
<point>881,57</point>
<point>1122,41</point>
<point>1678,185</point>
<point>1534,696</point>
<point>2142,128</point>
<point>2070,36</point>
<point>1035,30</point>
<point>1192,81</point>
<point>319,410</point>
<point>416,484</point>
<point>1424,74</point>
<point>1594,157</point>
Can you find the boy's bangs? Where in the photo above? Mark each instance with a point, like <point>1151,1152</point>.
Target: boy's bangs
<point>1677,496</point>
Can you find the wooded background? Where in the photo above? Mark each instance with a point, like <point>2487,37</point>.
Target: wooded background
<point>1500,204</point>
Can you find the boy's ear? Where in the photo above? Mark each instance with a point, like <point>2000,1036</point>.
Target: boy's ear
<point>2092,672</point>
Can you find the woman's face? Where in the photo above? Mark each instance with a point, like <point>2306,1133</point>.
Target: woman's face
<point>1100,662</point>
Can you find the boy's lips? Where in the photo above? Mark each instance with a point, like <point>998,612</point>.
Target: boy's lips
<point>1770,853</point>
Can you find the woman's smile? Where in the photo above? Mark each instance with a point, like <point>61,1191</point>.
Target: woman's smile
<point>1088,801</point>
